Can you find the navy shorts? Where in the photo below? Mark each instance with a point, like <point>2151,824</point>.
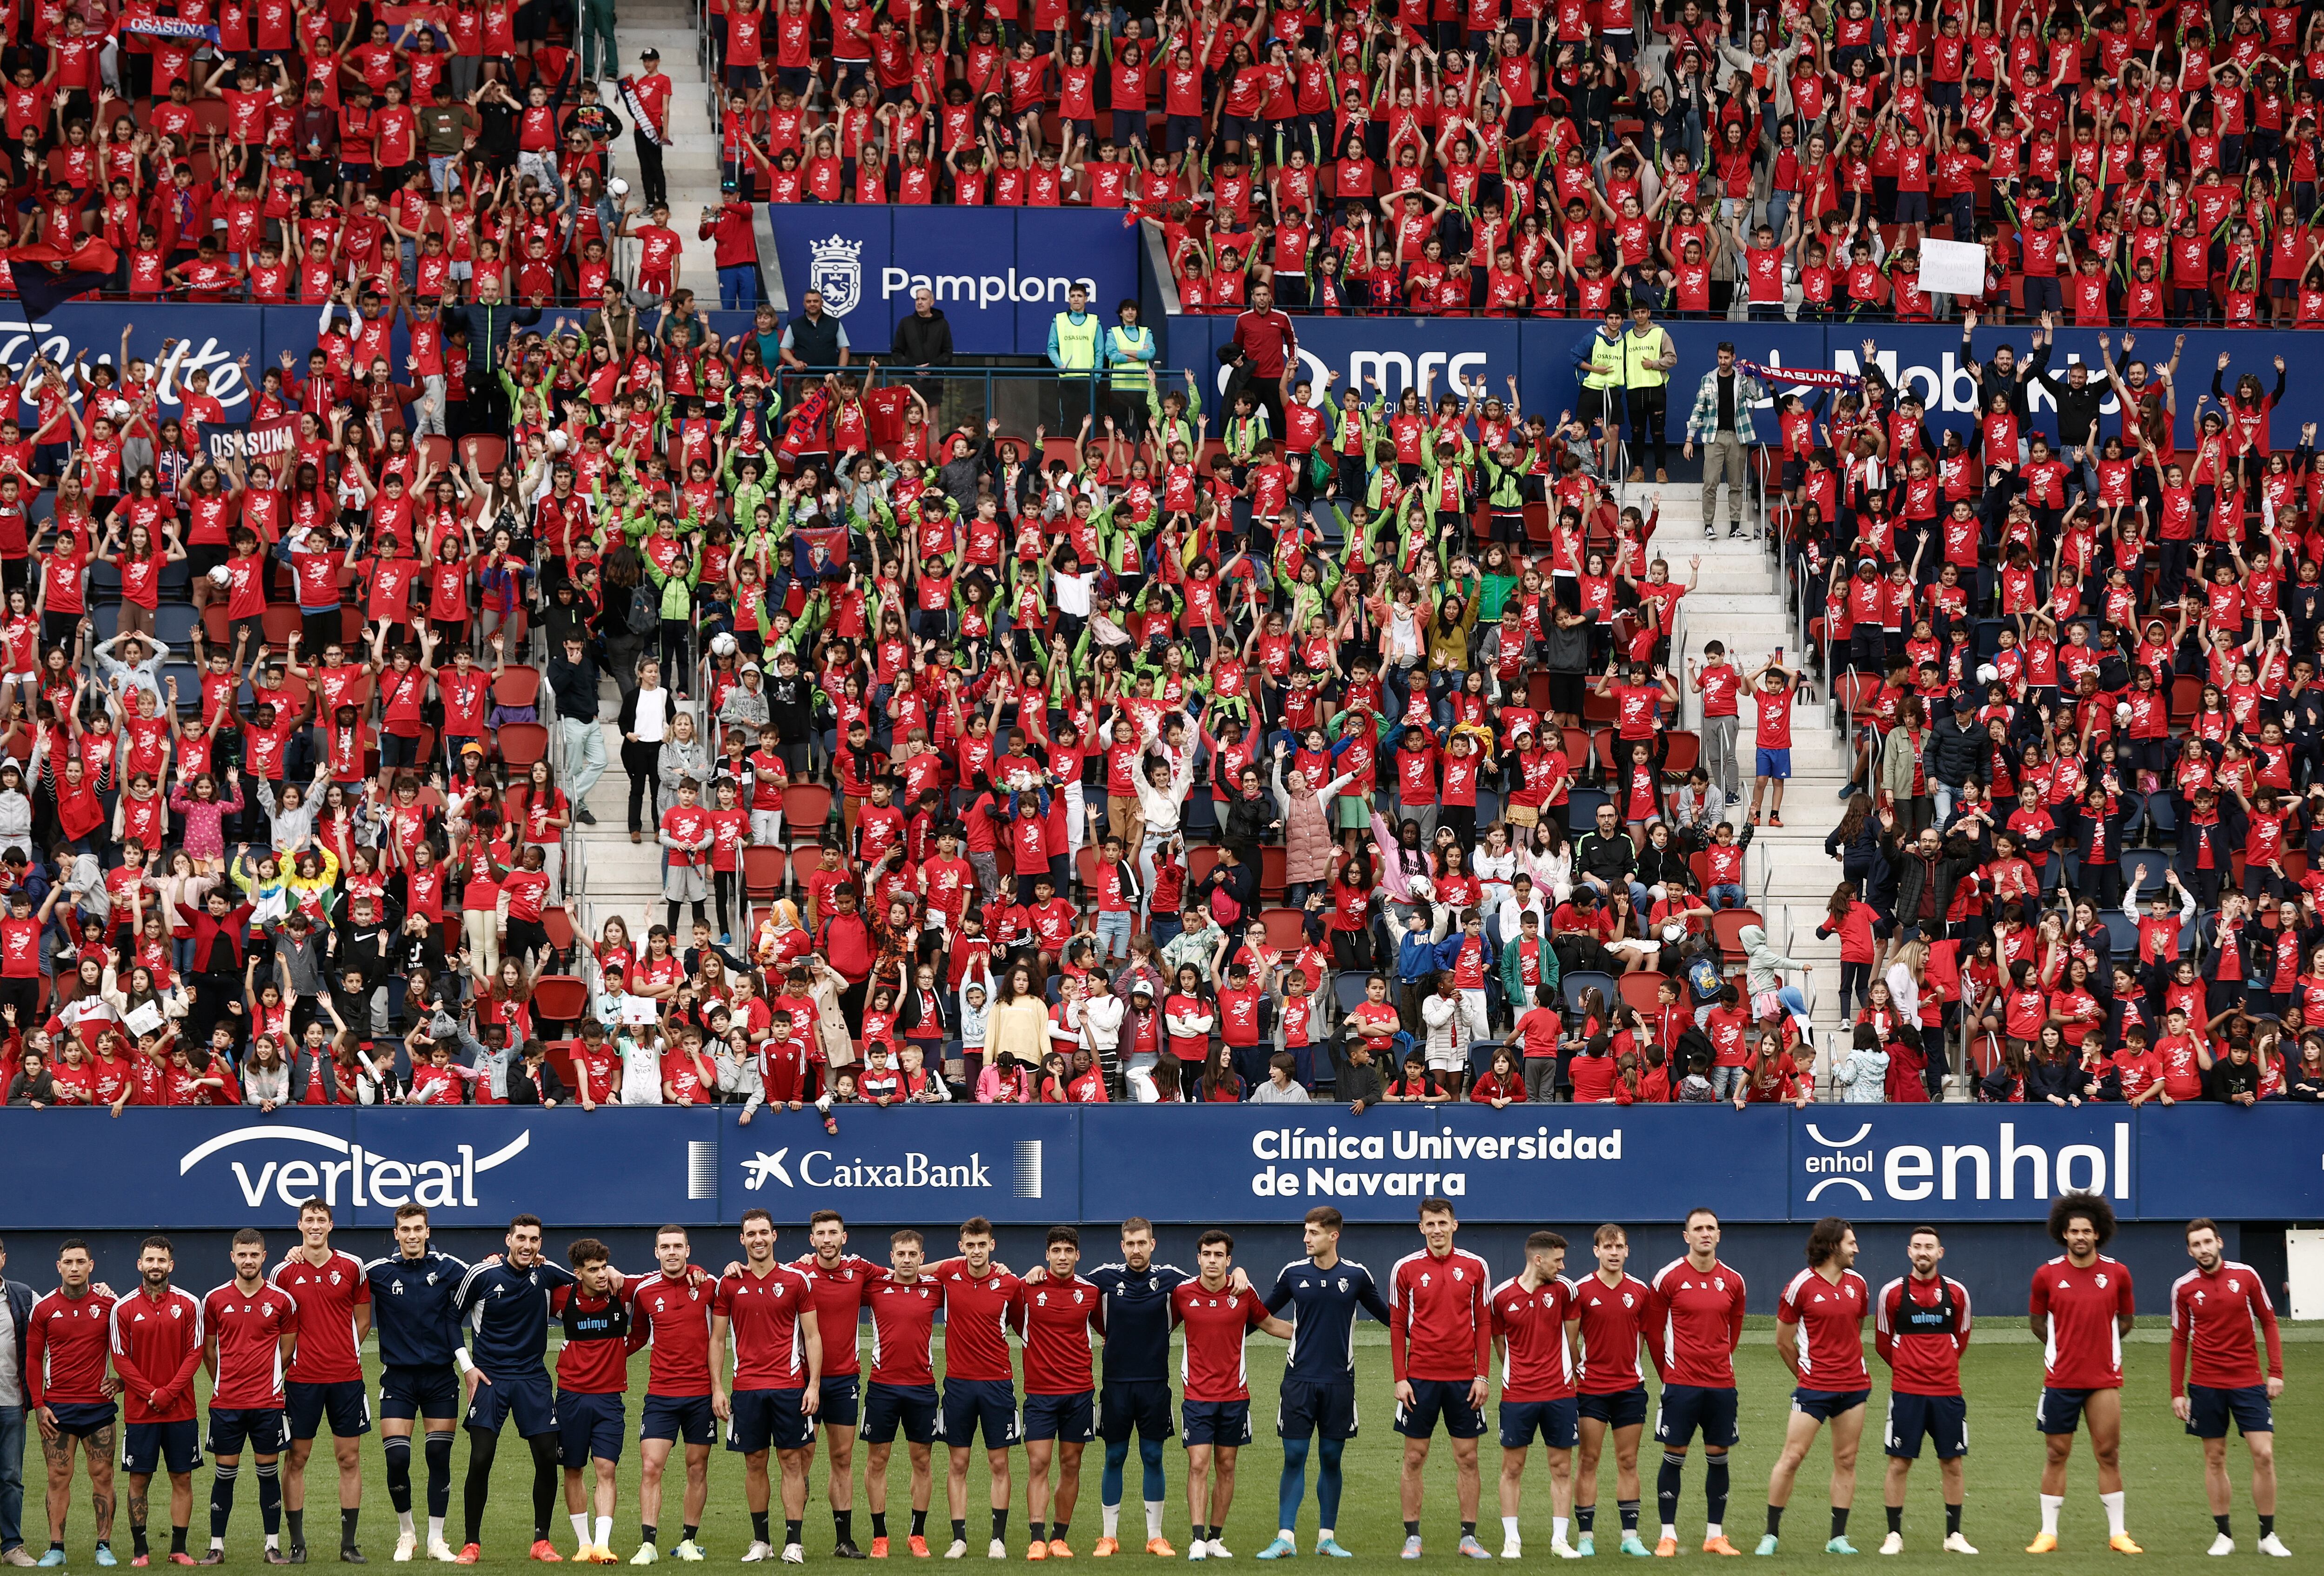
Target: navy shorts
<point>1303,1408</point>
<point>2208,1410</point>
<point>969,1404</point>
<point>913,1407</point>
<point>1556,1422</point>
<point>841,1401</point>
<point>526,1398</point>
<point>1616,1409</point>
<point>2061,1411</point>
<point>147,1447</point>
<point>1941,1419</point>
<point>82,1419</point>
<point>758,1420</point>
<point>1773,763</point>
<point>1141,1406</point>
<point>590,1426</point>
<point>686,1417</point>
<point>1226,1422</point>
<point>342,1401</point>
<point>1823,1406</point>
<point>1070,1418</point>
<point>419,1392</point>
<point>261,1427</point>
<point>1433,1398</point>
<point>1686,1408</point>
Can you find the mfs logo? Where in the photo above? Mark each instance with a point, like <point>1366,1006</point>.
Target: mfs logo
<point>1858,1169</point>
<point>825,1168</point>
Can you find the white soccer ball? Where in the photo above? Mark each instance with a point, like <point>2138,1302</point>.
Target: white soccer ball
<point>221,576</point>
<point>2122,711</point>
<point>1987,673</point>
<point>617,187</point>
<point>1421,887</point>
<point>1674,933</point>
<point>121,410</point>
<point>558,441</point>
<point>723,644</point>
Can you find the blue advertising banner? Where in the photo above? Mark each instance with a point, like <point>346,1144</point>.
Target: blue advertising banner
<point>1017,1164</point>
<point>1274,1163</point>
<point>1040,1165</point>
<point>1437,356</point>
<point>231,1167</point>
<point>1000,275</point>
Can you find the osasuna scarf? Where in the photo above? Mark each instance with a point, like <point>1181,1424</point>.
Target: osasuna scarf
<point>170,27</point>
<point>637,115</point>
<point>1811,377</point>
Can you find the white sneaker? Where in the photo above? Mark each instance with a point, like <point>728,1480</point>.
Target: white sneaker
<point>1218,1551</point>
<point>439,1550</point>
<point>1560,1548</point>
<point>1512,1548</point>
<point>1893,1543</point>
<point>758,1549</point>
<point>1955,1543</point>
<point>793,1555</point>
<point>996,1550</point>
<point>2222,1543</point>
<point>687,1549</point>
<point>1198,1550</point>
<point>406,1545</point>
<point>959,1547</point>
<point>2272,1544</point>
<point>646,1556</point>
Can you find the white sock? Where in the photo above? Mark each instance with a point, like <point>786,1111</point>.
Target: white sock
<point>1713,1529</point>
<point>2051,1505</point>
<point>604,1538</point>
<point>1112,1519</point>
<point>1322,1535</point>
<point>2113,1503</point>
<point>1670,1532</point>
<point>218,1542</point>
<point>274,1539</point>
<point>1289,1535</point>
<point>1509,1528</point>
<point>1557,1525</point>
<point>1153,1519</point>
<point>580,1519</point>
<point>403,1523</point>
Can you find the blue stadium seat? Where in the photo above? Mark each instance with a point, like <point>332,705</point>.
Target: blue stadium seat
<point>1580,979</point>
<point>174,623</point>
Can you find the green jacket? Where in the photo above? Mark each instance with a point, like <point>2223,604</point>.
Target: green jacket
<point>1513,975</point>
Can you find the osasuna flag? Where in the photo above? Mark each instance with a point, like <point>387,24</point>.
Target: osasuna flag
<point>46,273</point>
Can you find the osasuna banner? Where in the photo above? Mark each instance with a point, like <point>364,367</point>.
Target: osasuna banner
<point>1440,356</point>
<point>270,440</point>
<point>999,275</point>
<point>1041,1165</point>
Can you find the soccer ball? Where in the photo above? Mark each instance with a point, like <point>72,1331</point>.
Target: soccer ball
<point>1674,933</point>
<point>723,645</point>
<point>617,187</point>
<point>557,440</point>
<point>2122,711</point>
<point>1987,673</point>
<point>121,410</point>
<point>221,576</point>
<point>1421,887</point>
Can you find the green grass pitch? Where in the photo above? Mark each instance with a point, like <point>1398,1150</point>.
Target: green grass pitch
<point>2162,1467</point>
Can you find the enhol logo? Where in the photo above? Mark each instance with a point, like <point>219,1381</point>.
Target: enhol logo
<point>369,1178</point>
<point>825,1168</point>
<point>1861,1165</point>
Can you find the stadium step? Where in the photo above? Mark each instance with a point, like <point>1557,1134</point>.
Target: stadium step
<point>690,164</point>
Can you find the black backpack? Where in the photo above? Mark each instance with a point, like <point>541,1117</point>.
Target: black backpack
<point>645,609</point>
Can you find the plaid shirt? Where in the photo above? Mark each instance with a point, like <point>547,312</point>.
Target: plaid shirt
<point>1702,422</point>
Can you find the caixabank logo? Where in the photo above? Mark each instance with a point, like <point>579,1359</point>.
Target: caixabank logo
<point>1883,1168</point>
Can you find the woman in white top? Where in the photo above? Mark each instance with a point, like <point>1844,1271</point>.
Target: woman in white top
<point>1161,783</point>
<point>646,712</point>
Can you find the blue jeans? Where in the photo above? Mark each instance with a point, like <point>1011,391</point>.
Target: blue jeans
<point>1113,934</point>
<point>738,287</point>
<point>1726,895</point>
<point>12,1477</point>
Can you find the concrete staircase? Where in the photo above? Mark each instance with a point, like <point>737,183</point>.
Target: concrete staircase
<point>1740,601</point>
<point>691,162</point>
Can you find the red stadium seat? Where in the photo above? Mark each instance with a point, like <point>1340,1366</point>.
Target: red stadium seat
<point>1726,930</point>
<point>762,871</point>
<point>807,805</point>
<point>560,997</point>
<point>522,744</point>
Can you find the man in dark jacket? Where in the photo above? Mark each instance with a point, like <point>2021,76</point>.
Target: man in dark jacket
<point>1954,756</point>
<point>16,1298</point>
<point>2005,373</point>
<point>574,678</point>
<point>924,339</point>
<point>487,321</point>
